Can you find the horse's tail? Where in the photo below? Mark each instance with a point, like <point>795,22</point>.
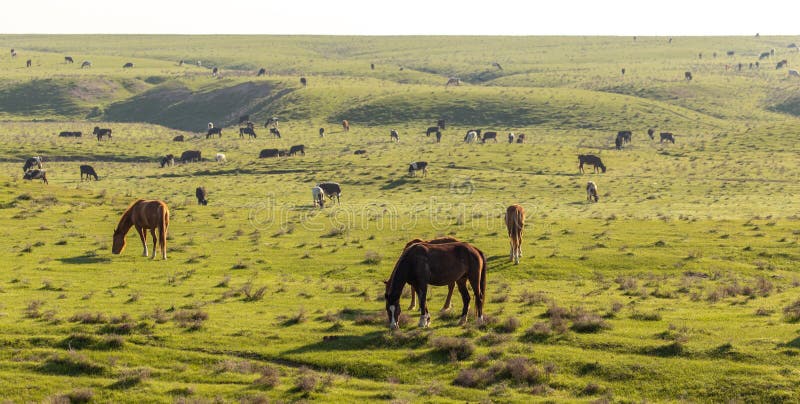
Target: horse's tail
<point>162,230</point>
<point>482,282</point>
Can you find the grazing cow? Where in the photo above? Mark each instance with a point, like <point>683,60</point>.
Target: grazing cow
<point>592,160</point>
<point>794,73</point>
<point>432,129</point>
<point>441,124</point>
<point>28,63</point>
<point>298,148</point>
<point>88,171</point>
<point>455,81</point>
<point>471,136</point>
<point>651,132</point>
<point>394,136</point>
<point>345,125</point>
<point>86,63</point>
<point>244,118</point>
<point>497,65</point>
<point>438,136</point>
<point>101,132</point>
<point>214,72</point>
<point>763,55</point>
<point>33,161</point>
<point>168,160</point>
<point>128,65</point>
<point>202,196</point>
<point>303,81</point>
<point>321,132</point>
<point>214,131</point>
<point>275,132</point>
<point>623,71</point>
<point>510,137</point>
<point>220,158</point>
<point>591,192</point>
<point>668,137</point>
<point>191,155</point>
<point>318,196</point>
<point>262,71</point>
<point>360,151</point>
<point>618,143</point>
<point>515,223</point>
<point>178,138</point>
<point>70,134</point>
<point>520,138</point>
<point>68,59</point>
<point>265,153</point>
<point>35,175</point>
<point>418,166</point>
<point>782,63</point>
<point>247,131</point>
<point>687,76</point>
<point>331,189</point>
<point>489,135</point>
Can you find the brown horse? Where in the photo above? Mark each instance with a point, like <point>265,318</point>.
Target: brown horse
<point>425,264</point>
<point>144,214</point>
<point>515,222</point>
<point>447,304</point>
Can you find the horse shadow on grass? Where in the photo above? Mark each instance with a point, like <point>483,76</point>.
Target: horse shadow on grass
<point>85,259</point>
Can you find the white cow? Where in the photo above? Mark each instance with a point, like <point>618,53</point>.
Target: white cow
<point>319,197</point>
<point>591,191</point>
<point>220,158</point>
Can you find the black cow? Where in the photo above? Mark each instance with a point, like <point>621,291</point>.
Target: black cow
<point>202,196</point>
<point>668,137</point>
<point>190,155</point>
<point>67,133</point>
<point>68,59</point>
<point>782,63</point>
<point>244,118</point>
<point>128,65</point>
<point>321,132</point>
<point>331,189</point>
<point>592,160</point>
<point>265,153</point>
<point>687,76</point>
<point>275,132</point>
<point>35,175</point>
<point>168,160</point>
<point>418,166</point>
<point>303,81</point>
<point>88,171</point>
<point>489,135</point>
<point>214,71</point>
<point>625,136</point>
<point>247,131</point>
<point>298,148</point>
<point>360,151</point>
<point>178,138</point>
<point>214,131</point>
<point>101,132</point>
<point>262,71</point>
<point>28,63</point>
<point>432,129</point>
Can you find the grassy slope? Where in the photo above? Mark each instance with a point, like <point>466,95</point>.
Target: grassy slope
<point>690,257</point>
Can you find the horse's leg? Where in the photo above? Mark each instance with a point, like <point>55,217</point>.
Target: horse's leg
<point>413,298</point>
<point>143,236</point>
<point>162,240</point>
<point>155,242</point>
<point>476,283</point>
<point>462,288</point>
<point>424,317</point>
<point>447,304</point>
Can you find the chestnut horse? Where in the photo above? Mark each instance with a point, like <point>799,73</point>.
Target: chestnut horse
<point>144,214</point>
<point>425,264</point>
<point>447,304</point>
<point>515,222</point>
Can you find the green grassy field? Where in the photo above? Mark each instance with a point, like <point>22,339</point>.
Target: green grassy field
<point>681,284</point>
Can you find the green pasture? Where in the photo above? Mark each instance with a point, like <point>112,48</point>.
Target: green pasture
<point>681,284</point>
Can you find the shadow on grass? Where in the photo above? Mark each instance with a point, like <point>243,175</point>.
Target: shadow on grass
<point>85,259</point>
<point>394,184</point>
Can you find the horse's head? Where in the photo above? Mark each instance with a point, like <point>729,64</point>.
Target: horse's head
<point>119,242</point>
<point>392,308</point>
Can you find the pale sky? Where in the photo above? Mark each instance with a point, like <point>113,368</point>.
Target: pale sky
<point>403,17</point>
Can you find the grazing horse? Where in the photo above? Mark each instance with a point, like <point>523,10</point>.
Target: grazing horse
<point>178,138</point>
<point>220,158</point>
<point>489,135</point>
<point>331,189</point>
<point>591,192</point>
<point>303,81</point>
<point>515,223</point>
<point>275,132</point>
<point>35,175</point>
<point>319,197</point>
<point>68,59</point>
<point>687,76</point>
<point>262,71</point>
<point>424,264</point>
<point>651,132</point>
<point>455,81</point>
<point>128,65</point>
<point>168,160</point>
<point>247,131</point>
<point>202,196</point>
<point>33,161</point>
<point>417,166</point>
<point>321,132</point>
<point>394,136</point>
<point>345,125</point>
<point>520,138</point>
<point>592,160</point>
<point>214,131</point>
<point>298,148</point>
<point>144,215</point>
<point>88,171</point>
<point>101,132</point>
<point>86,63</point>
<point>191,155</point>
<point>447,302</point>
<point>667,136</point>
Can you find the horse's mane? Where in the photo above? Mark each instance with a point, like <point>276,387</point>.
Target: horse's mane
<point>127,214</point>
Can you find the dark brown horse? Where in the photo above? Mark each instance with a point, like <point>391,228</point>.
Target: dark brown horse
<point>447,304</point>
<point>425,264</point>
<point>515,222</point>
<point>144,214</point>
